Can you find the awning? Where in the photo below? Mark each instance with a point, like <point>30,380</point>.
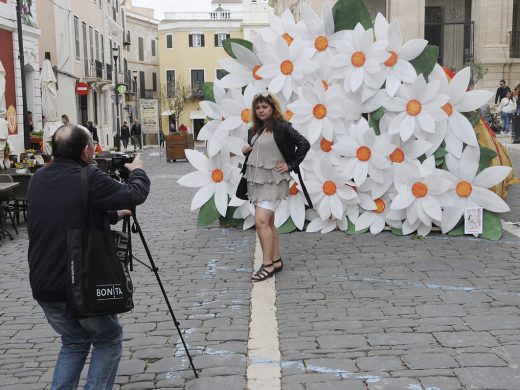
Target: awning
<point>167,113</point>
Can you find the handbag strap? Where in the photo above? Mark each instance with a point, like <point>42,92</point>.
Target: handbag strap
<point>247,156</point>
<point>85,197</point>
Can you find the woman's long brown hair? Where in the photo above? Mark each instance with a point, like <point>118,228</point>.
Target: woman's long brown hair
<point>258,125</point>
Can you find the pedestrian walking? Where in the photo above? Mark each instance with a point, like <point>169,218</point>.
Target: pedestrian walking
<point>136,134</point>
<point>507,107</point>
<point>502,90</point>
<point>54,207</point>
<point>93,131</point>
<point>125,134</point>
<point>275,148</point>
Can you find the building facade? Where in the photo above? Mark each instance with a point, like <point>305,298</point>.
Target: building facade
<point>190,46</point>
<point>9,56</point>
<point>486,32</point>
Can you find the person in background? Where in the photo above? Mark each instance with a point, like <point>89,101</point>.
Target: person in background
<point>136,134</point>
<point>183,128</point>
<point>507,108</point>
<point>502,90</point>
<point>93,131</point>
<point>30,121</point>
<point>125,134</point>
<point>161,138</point>
<point>65,119</point>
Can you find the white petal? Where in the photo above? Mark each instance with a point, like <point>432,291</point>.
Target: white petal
<point>459,84</point>
<point>491,176</point>
<point>462,128</point>
<point>221,198</point>
<point>468,165</point>
<point>378,225</point>
<point>336,207</point>
<point>195,179</point>
<point>412,49</point>
<point>282,213</point>
<point>316,225</point>
<point>402,201</point>
<point>489,200</point>
<point>297,209</point>
<point>432,208</point>
<point>360,173</point>
<point>365,220</point>
<point>473,100</point>
<point>198,160</point>
<point>202,196</point>
<point>452,215</point>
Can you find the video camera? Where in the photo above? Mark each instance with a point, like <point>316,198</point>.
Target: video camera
<point>117,168</point>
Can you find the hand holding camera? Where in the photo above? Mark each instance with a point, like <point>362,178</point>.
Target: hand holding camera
<point>137,163</point>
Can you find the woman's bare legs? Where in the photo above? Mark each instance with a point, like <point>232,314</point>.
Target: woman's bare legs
<point>266,234</point>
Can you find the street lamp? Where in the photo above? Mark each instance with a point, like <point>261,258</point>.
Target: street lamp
<point>134,73</point>
<point>117,139</point>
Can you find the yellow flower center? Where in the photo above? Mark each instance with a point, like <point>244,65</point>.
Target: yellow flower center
<point>392,60</point>
<point>325,145</point>
<point>413,107</point>
<point>397,156</point>
<point>287,37</point>
<point>288,115</point>
<point>321,43</point>
<point>448,109</point>
<point>286,67</point>
<point>245,115</point>
<point>464,189</point>
<point>217,175</point>
<point>358,59</point>
<point>319,111</point>
<point>363,153</point>
<point>294,189</point>
<point>325,85</point>
<point>419,189</point>
<point>255,75</point>
<point>380,205</point>
<point>329,188</point>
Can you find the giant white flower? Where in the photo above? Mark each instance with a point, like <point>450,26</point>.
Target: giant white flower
<point>376,217</point>
<point>293,206</point>
<point>418,106</point>
<point>238,111</point>
<point>285,66</point>
<point>359,61</point>
<point>469,189</point>
<point>459,129</point>
<point>324,226</point>
<point>421,192</point>
<point>245,210</point>
<point>215,177</point>
<point>365,154</point>
<point>397,64</point>
<point>320,32</point>
<point>283,26</point>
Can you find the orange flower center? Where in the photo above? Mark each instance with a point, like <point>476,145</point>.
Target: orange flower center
<point>294,189</point>
<point>358,59</point>
<point>464,189</point>
<point>397,156</point>
<point>363,153</point>
<point>319,111</point>
<point>392,60</point>
<point>286,67</point>
<point>329,188</point>
<point>448,109</point>
<point>321,43</point>
<point>413,107</point>
<point>325,145</point>
<point>245,115</point>
<point>217,175</point>
<point>255,75</point>
<point>419,189</point>
<point>380,205</point>
<point>288,38</point>
<point>325,85</point>
<point>288,115</point>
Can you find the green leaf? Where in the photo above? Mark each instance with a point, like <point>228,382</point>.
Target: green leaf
<point>374,118</point>
<point>492,226</point>
<point>425,62</point>
<point>441,152</point>
<point>473,117</point>
<point>226,44</point>
<point>208,213</point>
<point>207,90</point>
<point>486,155</point>
<point>351,230</point>
<point>287,227</point>
<point>348,13</point>
<point>228,220</point>
<point>397,232</point>
<point>457,231</point>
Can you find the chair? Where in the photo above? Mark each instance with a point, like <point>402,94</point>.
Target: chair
<point>20,196</point>
<point>6,209</point>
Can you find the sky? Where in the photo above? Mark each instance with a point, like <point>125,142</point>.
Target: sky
<point>162,6</point>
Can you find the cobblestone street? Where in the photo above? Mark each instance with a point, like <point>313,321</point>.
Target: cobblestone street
<point>353,312</point>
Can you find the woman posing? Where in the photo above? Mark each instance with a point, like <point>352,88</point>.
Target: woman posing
<point>275,148</point>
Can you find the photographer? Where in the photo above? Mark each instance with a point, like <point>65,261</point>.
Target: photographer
<point>54,206</point>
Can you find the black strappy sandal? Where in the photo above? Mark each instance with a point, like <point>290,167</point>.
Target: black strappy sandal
<point>262,273</point>
<point>278,269</point>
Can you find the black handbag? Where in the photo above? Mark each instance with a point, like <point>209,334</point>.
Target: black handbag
<point>98,281</point>
<point>241,192</point>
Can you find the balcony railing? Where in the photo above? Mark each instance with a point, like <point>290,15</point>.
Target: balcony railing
<point>514,44</point>
<point>99,69</point>
<point>225,15</point>
<point>109,72</point>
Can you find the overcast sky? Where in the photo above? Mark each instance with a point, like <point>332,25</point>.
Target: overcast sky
<point>162,6</point>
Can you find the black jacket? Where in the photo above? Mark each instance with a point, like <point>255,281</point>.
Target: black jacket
<point>54,206</point>
<point>501,93</point>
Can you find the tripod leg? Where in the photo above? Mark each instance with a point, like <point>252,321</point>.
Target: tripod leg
<point>156,272</point>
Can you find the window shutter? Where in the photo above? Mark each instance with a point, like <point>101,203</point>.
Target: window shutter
<point>191,40</point>
<point>202,40</point>
<point>216,40</point>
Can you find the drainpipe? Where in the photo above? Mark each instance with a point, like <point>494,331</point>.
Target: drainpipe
<point>26,135</point>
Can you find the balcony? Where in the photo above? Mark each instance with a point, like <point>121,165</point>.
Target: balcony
<point>91,71</point>
<point>514,44</point>
<point>225,16</point>
<point>126,38</point>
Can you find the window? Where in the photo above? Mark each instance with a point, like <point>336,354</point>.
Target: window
<point>170,83</point>
<point>196,40</point>
<point>169,41</point>
<point>152,45</point>
<point>197,80</point>
<point>98,56</point>
<point>221,73</point>
<point>85,46</point>
<point>154,81</point>
<point>219,38</point>
<point>102,49</point>
<point>91,39</point>
<point>110,46</point>
<point>76,37</point>
<point>142,84</point>
<point>141,48</point>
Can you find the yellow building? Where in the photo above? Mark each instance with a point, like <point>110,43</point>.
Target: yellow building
<point>190,45</point>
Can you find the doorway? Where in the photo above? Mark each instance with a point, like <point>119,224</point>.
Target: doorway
<point>434,29</point>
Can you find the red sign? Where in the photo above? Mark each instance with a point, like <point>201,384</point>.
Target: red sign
<point>82,88</point>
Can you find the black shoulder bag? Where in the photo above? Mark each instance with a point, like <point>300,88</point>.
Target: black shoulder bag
<point>98,281</point>
<point>241,192</point>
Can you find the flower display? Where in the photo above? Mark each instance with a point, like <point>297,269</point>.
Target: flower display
<point>392,140</point>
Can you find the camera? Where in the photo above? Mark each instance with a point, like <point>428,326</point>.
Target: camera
<point>120,159</point>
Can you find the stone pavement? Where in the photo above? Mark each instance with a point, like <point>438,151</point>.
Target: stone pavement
<point>353,313</point>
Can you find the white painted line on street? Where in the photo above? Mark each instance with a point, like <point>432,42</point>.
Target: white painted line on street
<point>263,369</point>
<point>511,228</point>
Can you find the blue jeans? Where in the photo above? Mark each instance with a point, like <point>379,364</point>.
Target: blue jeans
<point>104,333</point>
<point>506,119</point>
